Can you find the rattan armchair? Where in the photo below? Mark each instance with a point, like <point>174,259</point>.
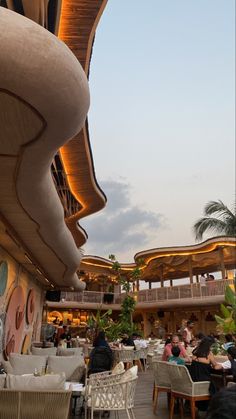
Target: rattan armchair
<point>126,356</point>
<point>162,381</point>
<point>34,404</point>
<point>137,356</point>
<point>183,387</point>
<point>99,379</point>
<point>113,397</point>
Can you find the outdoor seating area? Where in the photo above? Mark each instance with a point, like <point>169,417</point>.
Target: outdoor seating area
<point>127,312</point>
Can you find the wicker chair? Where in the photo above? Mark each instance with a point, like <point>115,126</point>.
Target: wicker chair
<point>95,380</point>
<point>162,382</point>
<point>182,387</point>
<point>137,356</point>
<point>113,397</point>
<point>37,404</point>
<point>126,356</point>
<point>144,353</point>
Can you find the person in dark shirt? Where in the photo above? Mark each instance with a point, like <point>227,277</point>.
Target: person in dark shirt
<point>127,340</point>
<point>100,340</point>
<point>66,336</point>
<point>223,404</point>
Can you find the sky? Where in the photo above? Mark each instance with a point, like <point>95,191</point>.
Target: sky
<point>161,121</point>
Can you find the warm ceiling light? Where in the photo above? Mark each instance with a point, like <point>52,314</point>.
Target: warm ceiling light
<point>28,258</point>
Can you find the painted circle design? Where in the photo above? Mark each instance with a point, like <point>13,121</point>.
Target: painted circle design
<point>3,277</point>
<point>26,344</point>
<point>30,307</point>
<point>15,321</point>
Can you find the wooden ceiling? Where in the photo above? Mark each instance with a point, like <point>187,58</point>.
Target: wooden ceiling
<point>79,19</point>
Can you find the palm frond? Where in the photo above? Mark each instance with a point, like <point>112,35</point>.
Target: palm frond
<point>218,207</point>
<point>208,223</point>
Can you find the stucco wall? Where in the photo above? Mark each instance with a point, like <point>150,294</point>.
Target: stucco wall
<point>21,303</point>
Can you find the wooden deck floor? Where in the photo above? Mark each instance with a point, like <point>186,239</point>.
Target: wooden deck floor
<point>143,401</point>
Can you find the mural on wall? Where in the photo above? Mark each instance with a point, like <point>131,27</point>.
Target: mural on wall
<point>3,277</point>
<point>3,286</point>
<point>14,321</point>
<point>2,328</point>
<point>30,306</point>
<point>20,307</point>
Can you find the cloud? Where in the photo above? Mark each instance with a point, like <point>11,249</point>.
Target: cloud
<point>121,226</point>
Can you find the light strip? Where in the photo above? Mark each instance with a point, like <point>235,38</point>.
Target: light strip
<point>28,258</point>
<point>193,252</point>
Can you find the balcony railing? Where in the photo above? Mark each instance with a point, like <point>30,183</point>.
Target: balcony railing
<point>191,291</point>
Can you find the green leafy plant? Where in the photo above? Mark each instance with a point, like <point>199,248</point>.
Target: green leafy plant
<point>98,321</point>
<point>227,323</point>
<point>125,324</point>
<point>218,349</point>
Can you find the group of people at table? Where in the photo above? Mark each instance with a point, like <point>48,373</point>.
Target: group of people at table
<point>194,352</point>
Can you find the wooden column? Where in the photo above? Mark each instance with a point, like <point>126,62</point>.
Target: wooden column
<point>137,284</point>
<point>146,325</point>
<point>202,321</point>
<point>149,285</point>
<point>222,263</point>
<point>171,282</point>
<point>197,279</point>
<point>161,276</point>
<point>172,322</point>
<point>190,267</point>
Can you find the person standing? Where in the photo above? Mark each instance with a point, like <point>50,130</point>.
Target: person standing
<point>66,336</point>
<point>188,333</point>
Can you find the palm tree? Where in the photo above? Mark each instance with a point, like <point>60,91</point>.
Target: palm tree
<point>224,221</point>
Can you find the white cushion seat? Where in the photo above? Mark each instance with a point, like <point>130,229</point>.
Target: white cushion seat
<point>24,364</point>
<point>32,383</point>
<point>44,351</point>
<point>72,366</point>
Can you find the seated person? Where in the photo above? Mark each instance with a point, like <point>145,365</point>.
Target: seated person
<point>175,358</point>
<point>100,340</point>
<point>139,342</point>
<point>193,343</point>
<point>66,336</point>
<point>127,340</point>
<point>231,363</point>
<point>101,356</point>
<point>223,404</point>
<point>228,341</point>
<point>174,342</point>
<point>201,367</point>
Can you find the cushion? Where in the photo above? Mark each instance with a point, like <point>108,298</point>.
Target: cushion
<point>70,351</point>
<point>72,366</point>
<point>44,351</point>
<point>129,374</point>
<point>2,380</point>
<point>30,382</point>
<point>26,364</point>
<point>119,368</point>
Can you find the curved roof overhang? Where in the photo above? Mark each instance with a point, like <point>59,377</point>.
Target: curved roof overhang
<point>99,265</point>
<point>29,203</point>
<point>78,23</point>
<point>174,262</point>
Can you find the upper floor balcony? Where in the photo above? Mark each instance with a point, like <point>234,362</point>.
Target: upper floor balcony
<point>163,297</point>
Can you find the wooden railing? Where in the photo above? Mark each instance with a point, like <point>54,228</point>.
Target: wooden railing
<point>179,292</point>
